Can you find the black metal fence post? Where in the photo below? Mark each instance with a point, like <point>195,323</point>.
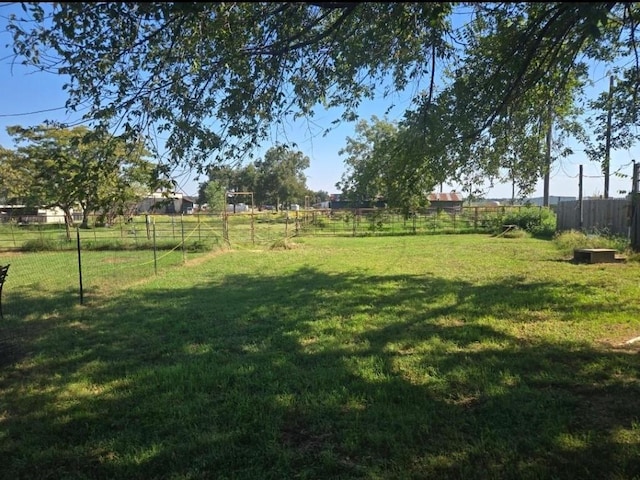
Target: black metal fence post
<point>79,265</point>
<point>155,249</point>
<point>182,227</point>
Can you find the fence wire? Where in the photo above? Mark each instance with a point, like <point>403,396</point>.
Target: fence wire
<point>49,261</point>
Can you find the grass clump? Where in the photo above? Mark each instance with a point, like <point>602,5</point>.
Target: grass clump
<point>633,257</point>
<point>516,232</point>
<point>45,244</point>
<point>200,246</point>
<point>284,244</point>
<point>570,240</point>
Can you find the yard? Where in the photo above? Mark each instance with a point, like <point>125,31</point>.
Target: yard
<point>391,357</point>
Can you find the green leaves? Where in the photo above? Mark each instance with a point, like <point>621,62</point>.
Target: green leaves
<point>277,178</point>
<point>77,167</point>
<point>280,175</point>
<point>215,77</point>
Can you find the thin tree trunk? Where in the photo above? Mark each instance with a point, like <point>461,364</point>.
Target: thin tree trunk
<point>85,218</point>
<point>68,222</point>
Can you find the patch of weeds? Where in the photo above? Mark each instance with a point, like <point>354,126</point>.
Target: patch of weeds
<point>319,223</point>
<point>102,245</point>
<point>45,244</point>
<point>539,222</point>
<point>568,241</point>
<point>515,233</point>
<point>633,257</point>
<point>284,244</point>
<point>199,246</point>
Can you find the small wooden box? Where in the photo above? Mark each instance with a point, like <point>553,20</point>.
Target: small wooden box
<point>594,255</point>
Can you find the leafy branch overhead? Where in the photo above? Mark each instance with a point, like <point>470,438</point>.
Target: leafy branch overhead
<point>215,78</point>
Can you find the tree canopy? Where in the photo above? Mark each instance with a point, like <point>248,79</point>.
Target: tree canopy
<point>216,77</point>
<point>281,179</point>
<point>70,167</point>
<point>277,178</point>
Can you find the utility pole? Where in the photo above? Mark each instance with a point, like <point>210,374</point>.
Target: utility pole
<point>547,167</point>
<point>635,208</point>
<point>607,154</point>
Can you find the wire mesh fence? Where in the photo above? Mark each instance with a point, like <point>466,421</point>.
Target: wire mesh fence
<point>52,265</point>
<point>201,230</point>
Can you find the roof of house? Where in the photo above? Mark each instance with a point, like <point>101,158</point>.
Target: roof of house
<point>445,197</point>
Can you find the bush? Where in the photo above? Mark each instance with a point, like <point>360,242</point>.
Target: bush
<point>103,245</point>
<point>539,222</point>
<point>634,257</point>
<point>319,223</point>
<point>515,233</point>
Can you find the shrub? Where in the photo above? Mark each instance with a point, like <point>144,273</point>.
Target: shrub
<point>539,222</point>
<point>634,257</point>
<point>376,221</point>
<point>103,245</point>
<point>515,233</point>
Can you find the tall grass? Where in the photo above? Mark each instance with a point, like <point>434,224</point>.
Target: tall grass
<point>573,239</point>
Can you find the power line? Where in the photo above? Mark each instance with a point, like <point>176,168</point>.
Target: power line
<point>6,115</point>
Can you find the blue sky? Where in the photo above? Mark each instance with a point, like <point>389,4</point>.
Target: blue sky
<point>29,98</point>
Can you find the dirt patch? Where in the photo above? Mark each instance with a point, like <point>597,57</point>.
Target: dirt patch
<point>297,435</point>
<point>622,338</point>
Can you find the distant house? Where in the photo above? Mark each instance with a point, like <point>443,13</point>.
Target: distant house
<point>188,205</point>
<point>25,215</point>
<point>238,207</point>
<point>167,203</point>
<point>445,201</point>
<point>322,205</point>
<point>339,202</point>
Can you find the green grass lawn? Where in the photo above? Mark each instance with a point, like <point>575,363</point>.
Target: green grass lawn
<point>412,357</point>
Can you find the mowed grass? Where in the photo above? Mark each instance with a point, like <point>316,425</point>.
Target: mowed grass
<point>444,357</point>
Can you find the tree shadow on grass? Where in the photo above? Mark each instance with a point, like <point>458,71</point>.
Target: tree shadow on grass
<point>27,317</point>
<point>313,375</point>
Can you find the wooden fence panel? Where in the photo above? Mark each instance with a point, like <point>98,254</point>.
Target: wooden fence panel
<point>611,215</point>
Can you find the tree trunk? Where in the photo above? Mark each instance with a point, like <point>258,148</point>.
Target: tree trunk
<point>85,218</point>
<point>68,221</point>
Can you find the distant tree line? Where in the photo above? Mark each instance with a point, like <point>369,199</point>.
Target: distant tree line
<point>276,180</point>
